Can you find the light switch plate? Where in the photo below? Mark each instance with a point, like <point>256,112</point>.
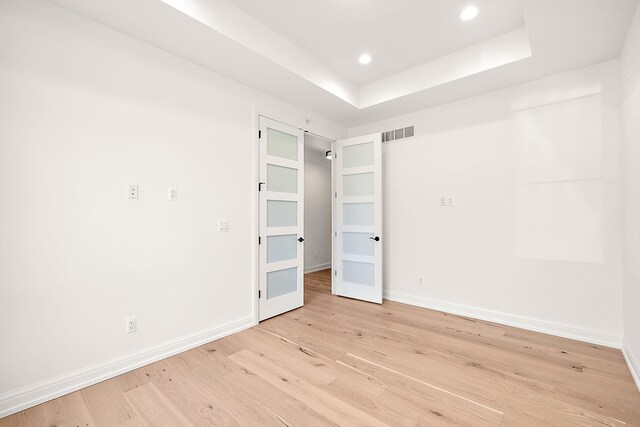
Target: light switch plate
<point>172,194</point>
<point>223,225</point>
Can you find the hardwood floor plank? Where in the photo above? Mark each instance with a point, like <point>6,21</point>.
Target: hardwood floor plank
<point>198,405</point>
<point>428,404</point>
<point>66,411</point>
<point>307,365</point>
<point>153,407</point>
<point>286,407</point>
<point>106,403</point>
<point>313,397</point>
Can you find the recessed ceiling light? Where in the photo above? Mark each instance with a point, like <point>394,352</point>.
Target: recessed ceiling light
<point>365,58</point>
<point>469,13</point>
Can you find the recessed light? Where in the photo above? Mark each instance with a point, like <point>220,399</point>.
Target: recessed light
<point>469,13</point>
<point>365,58</point>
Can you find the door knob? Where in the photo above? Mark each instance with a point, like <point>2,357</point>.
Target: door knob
<point>377,239</point>
<point>301,239</point>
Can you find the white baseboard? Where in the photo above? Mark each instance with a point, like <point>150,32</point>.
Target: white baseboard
<point>633,362</point>
<point>565,331</point>
<point>26,397</point>
<point>314,268</point>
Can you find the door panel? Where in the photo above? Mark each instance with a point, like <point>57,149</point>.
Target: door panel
<point>282,213</point>
<point>282,179</point>
<point>282,248</point>
<point>281,218</point>
<point>357,166</point>
<point>282,282</point>
<point>358,244</point>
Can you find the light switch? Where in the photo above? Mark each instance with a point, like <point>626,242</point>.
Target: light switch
<point>172,194</point>
<point>133,191</point>
<point>223,225</point>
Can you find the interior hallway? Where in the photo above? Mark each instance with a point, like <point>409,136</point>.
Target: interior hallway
<point>338,361</point>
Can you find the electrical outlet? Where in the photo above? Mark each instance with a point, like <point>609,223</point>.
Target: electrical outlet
<point>420,280</point>
<point>450,200</point>
<point>223,225</point>
<point>133,191</point>
<point>443,201</point>
<point>172,194</point>
<point>132,325</point>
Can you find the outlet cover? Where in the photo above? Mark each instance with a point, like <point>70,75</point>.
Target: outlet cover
<point>132,325</point>
<point>132,191</point>
<point>223,225</point>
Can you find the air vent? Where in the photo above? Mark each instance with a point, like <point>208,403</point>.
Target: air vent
<point>393,135</point>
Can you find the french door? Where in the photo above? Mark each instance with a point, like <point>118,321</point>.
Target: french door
<point>281,218</point>
<point>358,240</point>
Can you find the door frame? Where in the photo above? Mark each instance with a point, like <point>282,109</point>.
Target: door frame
<point>334,220</point>
<point>303,124</point>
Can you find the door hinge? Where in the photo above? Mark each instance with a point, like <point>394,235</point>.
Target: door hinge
<point>336,195</point>
<point>260,184</point>
<point>259,293</point>
<point>335,273</point>
<point>259,134</point>
<point>259,240</point>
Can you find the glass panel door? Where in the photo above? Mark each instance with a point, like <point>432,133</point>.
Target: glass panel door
<point>281,218</point>
<point>358,218</point>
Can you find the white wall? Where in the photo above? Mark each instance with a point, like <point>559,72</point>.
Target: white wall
<point>84,111</point>
<point>630,109</point>
<point>533,238</point>
<point>317,210</point>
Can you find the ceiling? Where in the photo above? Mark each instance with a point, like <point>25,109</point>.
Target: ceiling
<point>397,34</point>
<point>306,52</point>
<point>316,143</point>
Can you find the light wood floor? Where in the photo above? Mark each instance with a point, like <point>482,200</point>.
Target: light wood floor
<point>343,362</point>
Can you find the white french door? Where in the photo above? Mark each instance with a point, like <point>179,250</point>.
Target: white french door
<point>281,218</point>
<point>358,240</point>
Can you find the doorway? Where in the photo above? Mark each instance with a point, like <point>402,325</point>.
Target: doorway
<point>320,210</point>
<point>317,203</point>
